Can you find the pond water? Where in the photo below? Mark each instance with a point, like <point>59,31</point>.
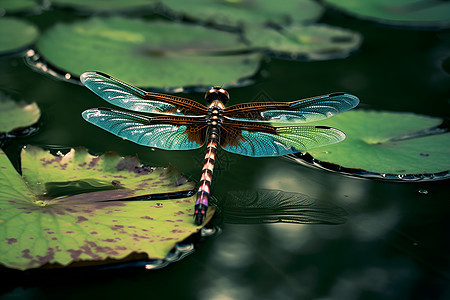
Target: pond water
<point>394,245</point>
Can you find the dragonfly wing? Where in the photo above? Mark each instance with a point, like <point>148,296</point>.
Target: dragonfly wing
<point>129,97</point>
<point>300,111</point>
<point>168,132</point>
<point>260,140</point>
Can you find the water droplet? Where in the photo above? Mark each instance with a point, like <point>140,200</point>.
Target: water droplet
<point>423,191</point>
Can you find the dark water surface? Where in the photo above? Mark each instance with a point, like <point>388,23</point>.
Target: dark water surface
<point>394,245</point>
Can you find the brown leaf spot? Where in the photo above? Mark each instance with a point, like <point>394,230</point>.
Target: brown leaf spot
<point>75,254</point>
<point>167,239</point>
<point>108,240</point>
<point>94,162</point>
<point>117,227</point>
<point>11,241</point>
<point>26,254</point>
<point>81,219</point>
<point>147,218</point>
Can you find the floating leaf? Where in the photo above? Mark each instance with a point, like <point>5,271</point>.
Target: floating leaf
<point>270,206</point>
<point>314,42</point>
<point>408,13</point>
<point>106,6</point>
<point>148,54</point>
<point>238,13</point>
<point>397,146</point>
<point>19,6</point>
<point>69,209</point>
<point>16,35</point>
<point>17,118</point>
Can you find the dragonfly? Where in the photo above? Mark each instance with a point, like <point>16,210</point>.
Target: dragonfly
<point>255,129</point>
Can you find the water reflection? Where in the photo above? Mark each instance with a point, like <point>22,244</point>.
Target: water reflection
<point>271,206</point>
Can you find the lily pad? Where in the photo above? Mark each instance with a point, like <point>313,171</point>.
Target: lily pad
<point>106,6</point>
<point>406,13</point>
<point>70,210</point>
<point>16,35</point>
<point>241,13</point>
<point>17,118</point>
<point>313,42</point>
<point>386,145</point>
<point>19,6</point>
<point>160,55</point>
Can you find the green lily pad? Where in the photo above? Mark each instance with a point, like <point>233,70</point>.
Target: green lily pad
<point>408,13</point>
<point>396,146</point>
<point>16,35</point>
<point>106,6</point>
<point>19,6</point>
<point>17,118</point>
<point>313,42</point>
<point>160,55</point>
<point>70,210</point>
<point>239,13</point>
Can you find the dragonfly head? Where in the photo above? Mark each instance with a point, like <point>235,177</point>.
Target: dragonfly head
<point>217,93</point>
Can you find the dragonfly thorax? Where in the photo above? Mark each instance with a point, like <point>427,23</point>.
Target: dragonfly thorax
<point>217,93</point>
<point>215,114</point>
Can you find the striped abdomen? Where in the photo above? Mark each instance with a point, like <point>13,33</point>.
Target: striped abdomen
<point>201,205</point>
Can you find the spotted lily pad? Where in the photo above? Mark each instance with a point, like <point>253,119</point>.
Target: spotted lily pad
<point>408,13</point>
<point>17,118</point>
<point>313,42</point>
<point>16,35</point>
<point>159,55</point>
<point>239,13</point>
<point>70,209</point>
<point>106,6</point>
<point>386,145</point>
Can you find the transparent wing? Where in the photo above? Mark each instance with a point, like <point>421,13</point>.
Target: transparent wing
<point>169,133</point>
<point>259,140</point>
<point>129,97</point>
<point>301,111</point>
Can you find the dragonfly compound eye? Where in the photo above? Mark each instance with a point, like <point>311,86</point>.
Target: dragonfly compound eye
<point>217,93</point>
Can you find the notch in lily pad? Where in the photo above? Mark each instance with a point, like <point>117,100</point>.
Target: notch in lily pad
<point>386,145</point>
<point>94,219</point>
